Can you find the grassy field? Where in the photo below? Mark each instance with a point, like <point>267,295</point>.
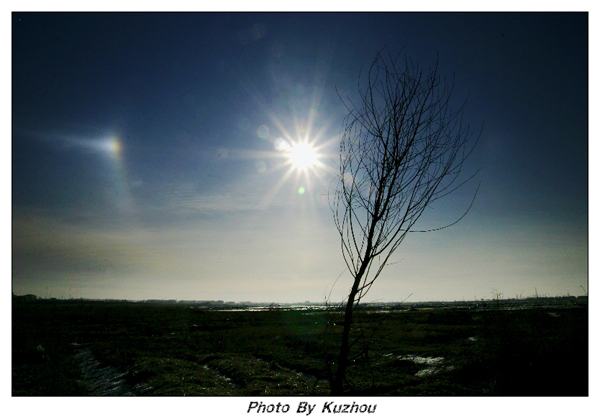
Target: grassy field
<point>92,348</point>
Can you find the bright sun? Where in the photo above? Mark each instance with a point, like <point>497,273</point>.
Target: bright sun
<point>302,156</point>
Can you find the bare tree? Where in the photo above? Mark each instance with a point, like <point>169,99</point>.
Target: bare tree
<point>402,148</point>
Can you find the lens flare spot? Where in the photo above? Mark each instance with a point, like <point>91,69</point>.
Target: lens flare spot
<point>281,145</point>
<point>243,123</point>
<point>301,191</point>
<point>324,199</point>
<point>263,131</point>
<point>261,166</point>
<point>258,31</point>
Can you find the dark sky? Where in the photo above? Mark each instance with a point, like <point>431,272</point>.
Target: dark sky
<point>145,158</point>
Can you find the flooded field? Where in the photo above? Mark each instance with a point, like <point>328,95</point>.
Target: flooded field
<point>129,349</point>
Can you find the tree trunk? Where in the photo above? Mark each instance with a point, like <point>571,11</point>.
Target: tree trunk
<point>337,387</point>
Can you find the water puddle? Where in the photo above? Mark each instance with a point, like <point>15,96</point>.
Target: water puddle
<point>434,364</point>
<point>427,360</point>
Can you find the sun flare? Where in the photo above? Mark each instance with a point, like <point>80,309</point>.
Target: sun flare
<point>302,156</point>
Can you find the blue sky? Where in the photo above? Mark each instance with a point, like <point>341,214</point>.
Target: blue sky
<point>146,158</point>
